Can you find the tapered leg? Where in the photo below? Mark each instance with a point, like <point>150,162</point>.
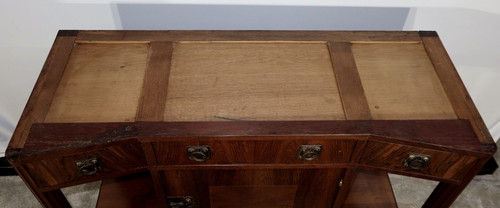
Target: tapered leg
<point>49,199</point>
<point>445,194</point>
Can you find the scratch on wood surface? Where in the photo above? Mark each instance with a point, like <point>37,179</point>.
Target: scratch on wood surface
<point>227,118</point>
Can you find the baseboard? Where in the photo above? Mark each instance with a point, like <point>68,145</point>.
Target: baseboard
<point>5,168</point>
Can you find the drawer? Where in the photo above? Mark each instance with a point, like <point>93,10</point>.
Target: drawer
<point>112,160</point>
<point>394,156</point>
<point>272,150</point>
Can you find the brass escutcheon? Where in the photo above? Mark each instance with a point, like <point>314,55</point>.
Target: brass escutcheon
<point>416,161</point>
<point>309,152</point>
<point>181,202</point>
<point>88,166</point>
<point>199,153</point>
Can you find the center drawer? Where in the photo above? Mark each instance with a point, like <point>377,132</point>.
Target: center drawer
<point>269,150</point>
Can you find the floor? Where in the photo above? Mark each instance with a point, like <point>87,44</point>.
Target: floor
<point>482,192</point>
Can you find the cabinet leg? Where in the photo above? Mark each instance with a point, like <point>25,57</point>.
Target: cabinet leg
<point>49,199</point>
<point>445,194</point>
<point>53,199</point>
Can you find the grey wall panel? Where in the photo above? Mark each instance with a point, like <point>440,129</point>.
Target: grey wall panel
<point>226,17</point>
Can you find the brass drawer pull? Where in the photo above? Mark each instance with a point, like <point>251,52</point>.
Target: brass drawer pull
<point>181,202</point>
<point>416,161</point>
<point>88,166</point>
<point>199,153</point>
<point>309,152</point>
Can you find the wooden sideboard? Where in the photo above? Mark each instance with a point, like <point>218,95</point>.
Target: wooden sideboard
<point>248,119</point>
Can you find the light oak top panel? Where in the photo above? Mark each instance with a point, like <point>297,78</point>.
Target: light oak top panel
<point>212,81</point>
<point>400,82</point>
<point>102,83</point>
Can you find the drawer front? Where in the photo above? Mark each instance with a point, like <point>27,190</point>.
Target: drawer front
<point>268,151</point>
<point>112,160</point>
<point>398,157</point>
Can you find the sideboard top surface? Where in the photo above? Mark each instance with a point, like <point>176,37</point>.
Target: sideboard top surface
<point>171,78</point>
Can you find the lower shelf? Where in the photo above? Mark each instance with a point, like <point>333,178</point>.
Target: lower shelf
<point>369,189</point>
<point>128,191</point>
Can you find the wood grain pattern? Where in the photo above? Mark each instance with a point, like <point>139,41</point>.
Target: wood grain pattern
<point>372,187</point>
<point>234,82</point>
<point>273,150</point>
<point>446,135</point>
<point>155,174</point>
<point>347,178</point>
<point>280,196</point>
<point>400,82</point>
<point>254,97</point>
<point>315,187</point>
<point>241,35</point>
<point>115,159</point>
<point>154,90</point>
<point>49,199</point>
<point>101,83</point>
<point>442,164</point>
<point>455,89</point>
<point>370,190</point>
<point>445,193</point>
<point>349,84</point>
<point>43,92</point>
<point>129,191</point>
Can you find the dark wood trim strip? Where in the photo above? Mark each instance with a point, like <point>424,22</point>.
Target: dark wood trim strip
<point>91,179</point>
<point>43,92</point>
<point>254,166</point>
<point>155,174</point>
<point>159,189</point>
<point>67,33</point>
<point>454,87</point>
<point>148,149</point>
<point>347,180</point>
<point>408,173</point>
<point>428,33</point>
<point>348,82</point>
<point>241,35</point>
<point>154,91</point>
<point>77,149</point>
<point>358,149</point>
<point>453,135</point>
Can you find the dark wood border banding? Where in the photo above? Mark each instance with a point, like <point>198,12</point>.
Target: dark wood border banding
<point>154,92</point>
<point>456,135</point>
<point>247,35</point>
<point>459,97</point>
<point>350,88</point>
<point>44,90</point>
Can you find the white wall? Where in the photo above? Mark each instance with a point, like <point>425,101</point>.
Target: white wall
<point>471,39</point>
<point>468,29</point>
<point>28,29</point>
